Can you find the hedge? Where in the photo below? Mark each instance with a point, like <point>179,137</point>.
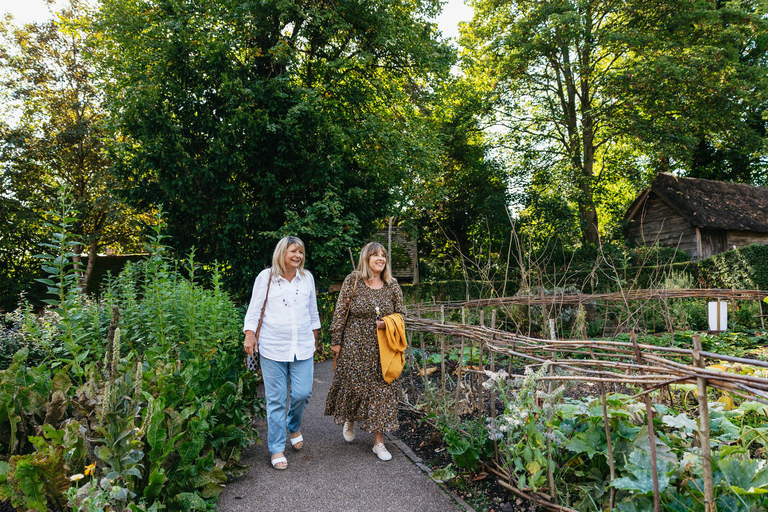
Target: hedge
<point>745,268</point>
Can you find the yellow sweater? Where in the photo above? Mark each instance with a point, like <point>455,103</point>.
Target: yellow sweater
<point>392,345</point>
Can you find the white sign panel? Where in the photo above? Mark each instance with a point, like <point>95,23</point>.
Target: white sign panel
<point>712,316</point>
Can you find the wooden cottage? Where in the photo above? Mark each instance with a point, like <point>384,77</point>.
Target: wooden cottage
<point>405,256</point>
<point>700,217</point>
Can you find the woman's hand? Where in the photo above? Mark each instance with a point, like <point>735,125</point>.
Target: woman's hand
<point>335,349</point>
<point>380,324</point>
<point>250,345</point>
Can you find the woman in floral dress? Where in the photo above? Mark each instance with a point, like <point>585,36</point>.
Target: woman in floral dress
<point>359,394</point>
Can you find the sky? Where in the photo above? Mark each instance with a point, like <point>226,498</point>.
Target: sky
<point>26,11</point>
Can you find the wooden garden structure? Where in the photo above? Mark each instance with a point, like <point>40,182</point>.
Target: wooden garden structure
<point>650,367</point>
<point>700,217</point>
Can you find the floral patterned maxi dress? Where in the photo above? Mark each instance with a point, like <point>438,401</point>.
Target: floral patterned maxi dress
<point>358,392</point>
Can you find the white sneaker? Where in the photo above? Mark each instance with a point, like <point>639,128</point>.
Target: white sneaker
<point>381,451</point>
<point>349,431</point>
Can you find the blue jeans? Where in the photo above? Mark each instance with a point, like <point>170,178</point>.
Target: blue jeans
<point>276,376</point>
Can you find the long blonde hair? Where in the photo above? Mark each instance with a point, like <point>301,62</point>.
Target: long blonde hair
<point>365,270</point>
<point>278,257</point>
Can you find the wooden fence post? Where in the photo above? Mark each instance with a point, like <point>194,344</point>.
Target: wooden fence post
<point>550,385</point>
<point>458,373</point>
<point>706,454</point>
<point>651,434</point>
<point>442,348</point>
<point>480,367</point>
<point>493,389</point>
<point>424,379</point>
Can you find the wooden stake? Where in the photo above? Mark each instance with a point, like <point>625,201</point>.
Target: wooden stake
<point>479,377</point>
<point>610,444</point>
<point>424,362</point>
<point>458,373</point>
<point>651,434</point>
<point>706,456</point>
<point>550,469</point>
<point>411,363</point>
<point>442,348</point>
<point>493,389</point>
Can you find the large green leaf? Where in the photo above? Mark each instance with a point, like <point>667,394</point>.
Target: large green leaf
<point>639,479</point>
<point>31,485</point>
<point>591,441</point>
<point>745,475</point>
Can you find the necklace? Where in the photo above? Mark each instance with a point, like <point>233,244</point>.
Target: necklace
<point>295,296</point>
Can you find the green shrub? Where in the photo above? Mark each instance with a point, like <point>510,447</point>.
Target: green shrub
<point>162,410</point>
<point>745,268</point>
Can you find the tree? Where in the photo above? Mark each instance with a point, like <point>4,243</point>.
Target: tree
<point>246,119</point>
<point>696,88</point>
<point>577,82</point>
<point>461,208</point>
<point>54,136</point>
<point>549,62</point>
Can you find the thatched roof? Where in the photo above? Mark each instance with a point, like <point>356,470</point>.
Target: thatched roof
<point>709,203</point>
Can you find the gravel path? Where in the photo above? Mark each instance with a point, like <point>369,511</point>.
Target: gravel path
<point>331,475</point>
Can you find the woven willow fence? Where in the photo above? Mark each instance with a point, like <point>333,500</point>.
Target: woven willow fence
<point>603,362</point>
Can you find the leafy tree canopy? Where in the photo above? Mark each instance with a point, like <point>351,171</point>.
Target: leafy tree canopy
<point>593,96</point>
<point>53,136</point>
<point>247,119</point>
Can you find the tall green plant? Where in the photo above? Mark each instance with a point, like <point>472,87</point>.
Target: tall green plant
<point>63,281</point>
<point>522,428</point>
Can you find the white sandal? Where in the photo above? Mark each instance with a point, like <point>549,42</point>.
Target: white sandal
<point>279,460</point>
<point>298,440</point>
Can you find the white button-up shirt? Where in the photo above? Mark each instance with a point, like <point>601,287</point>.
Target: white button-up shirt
<point>289,318</point>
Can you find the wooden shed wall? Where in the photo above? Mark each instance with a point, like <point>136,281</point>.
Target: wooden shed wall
<point>657,222</point>
<point>405,258</point>
<point>743,238</point>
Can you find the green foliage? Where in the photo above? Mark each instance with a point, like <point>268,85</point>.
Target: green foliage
<point>18,269</point>
<point>53,134</point>
<point>33,481</point>
<point>324,220</point>
<point>286,114</point>
<point>179,428</point>
<point>23,395</point>
<point>468,442</point>
<point>693,86</point>
<point>188,501</point>
<point>63,282</point>
<point>745,268</point>
<point>583,467</point>
<point>595,97</point>
<point>459,210</point>
<point>522,427</point>
<point>35,333</point>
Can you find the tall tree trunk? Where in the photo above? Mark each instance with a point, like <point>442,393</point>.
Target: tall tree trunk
<point>77,260</point>
<point>589,229</point>
<point>90,266</point>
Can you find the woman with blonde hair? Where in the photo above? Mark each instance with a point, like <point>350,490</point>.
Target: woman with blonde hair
<point>359,392</point>
<point>282,325</point>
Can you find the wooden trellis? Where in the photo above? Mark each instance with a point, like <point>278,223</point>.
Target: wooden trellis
<point>650,367</point>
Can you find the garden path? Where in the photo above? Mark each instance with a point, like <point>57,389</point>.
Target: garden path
<point>331,475</point>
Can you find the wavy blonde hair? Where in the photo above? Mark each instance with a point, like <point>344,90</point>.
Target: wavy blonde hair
<point>278,257</point>
<point>365,270</point>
